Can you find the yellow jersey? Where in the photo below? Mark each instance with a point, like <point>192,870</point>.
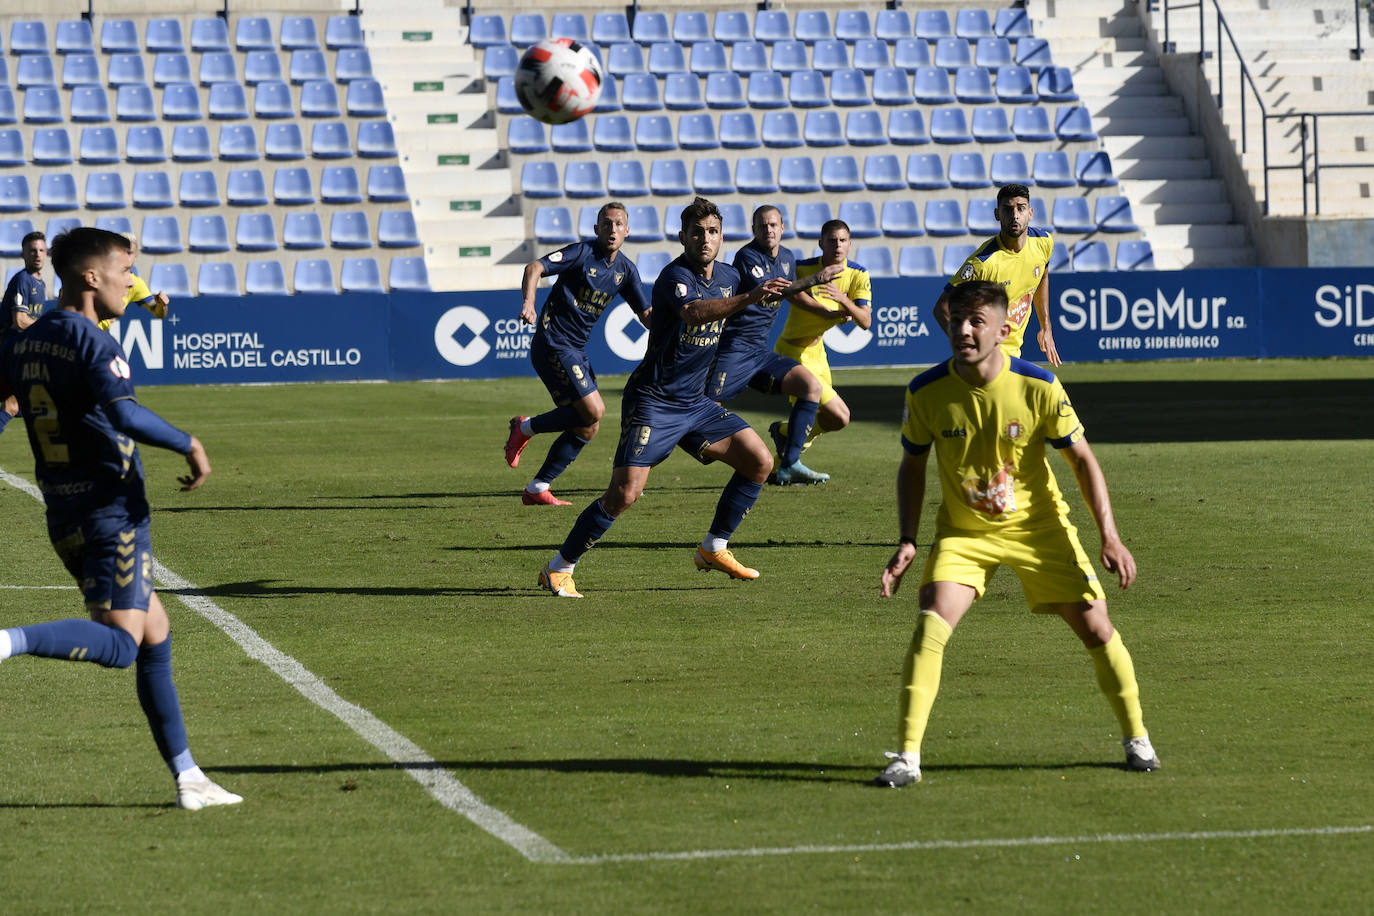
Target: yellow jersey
<point>990,444</point>
<point>1019,273</point>
<point>853,282</point>
<point>138,293</point>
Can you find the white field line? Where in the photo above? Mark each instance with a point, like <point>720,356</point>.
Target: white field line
<point>60,588</point>
<point>442,786</point>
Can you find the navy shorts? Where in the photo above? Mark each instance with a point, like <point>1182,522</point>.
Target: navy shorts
<point>566,373</point>
<point>762,370</point>
<point>650,431</point>
<point>111,558</point>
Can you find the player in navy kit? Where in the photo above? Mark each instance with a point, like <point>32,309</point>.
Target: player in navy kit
<point>590,276</point>
<point>665,401</point>
<point>26,292</point>
<point>73,385</point>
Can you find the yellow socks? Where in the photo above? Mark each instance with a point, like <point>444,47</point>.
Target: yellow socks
<point>1116,677</point>
<point>921,674</point>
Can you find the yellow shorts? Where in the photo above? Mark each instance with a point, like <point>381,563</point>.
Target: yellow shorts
<point>813,358</point>
<point>1049,561</point>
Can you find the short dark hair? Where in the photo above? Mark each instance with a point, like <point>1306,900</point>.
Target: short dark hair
<point>762,209</point>
<point>698,210</point>
<point>34,236</point>
<point>612,205</point>
<point>978,292</point>
<point>73,249</point>
<point>1011,192</point>
<point>831,225</point>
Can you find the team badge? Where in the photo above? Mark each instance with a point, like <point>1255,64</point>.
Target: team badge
<point>680,290</point>
<point>757,271</point>
<point>1065,408</point>
<point>1037,271</point>
<point>591,271</point>
<point>556,257</point>
<point>966,273</point>
<point>726,292</point>
<point>1014,429</point>
<point>618,278</point>
<point>119,368</point>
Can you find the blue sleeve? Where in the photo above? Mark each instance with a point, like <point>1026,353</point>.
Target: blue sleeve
<point>141,424</point>
<point>632,291</point>
<point>555,262</point>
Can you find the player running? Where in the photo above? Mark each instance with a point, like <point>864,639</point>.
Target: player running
<point>590,276</point>
<point>988,417</point>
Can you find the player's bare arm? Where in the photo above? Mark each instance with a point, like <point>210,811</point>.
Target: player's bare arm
<point>911,492</point>
<point>704,311</point>
<point>199,464</point>
<point>1093,485</point>
<point>534,270</point>
<point>1045,336</point>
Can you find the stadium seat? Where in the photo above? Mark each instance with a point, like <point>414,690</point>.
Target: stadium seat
<point>210,35</point>
<point>1014,23</point>
<point>160,235</point>
<point>313,276</point>
<point>1071,215</point>
<point>724,90</point>
<point>152,190</point>
<point>1032,124</point>
<point>626,178</point>
<point>499,61</point>
<point>933,25</point>
<point>1056,85</point>
<point>668,178</point>
<point>890,87</point>
<point>119,36</point>
<point>507,102</point>
<point>650,264</point>
<point>349,229</point>
<point>264,278</point>
<point>573,137</point>
<point>822,128</point>
<point>754,175</point>
<point>163,36</point>
<point>766,90</point>
<point>910,54</point>
<point>892,25</point>
<point>697,132</point>
<point>731,26</point>
<point>171,68</point>
<point>396,229</point>
<point>524,136</point>
<point>60,224</point>
<point>57,191</point>
<point>207,233</point>
<point>408,275</point>
<point>527,28</point>
<point>320,99</point>
<point>238,143</point>
<point>654,133</point>
<point>883,172</point>
<point>871,54</point>
<point>853,25</point>
<point>302,231</point>
<point>841,173</point>
<point>35,70</point>
<point>649,28</point>
<point>738,130</point>
<point>907,127</point>
<point>360,275</point>
<point>900,219</point>
<point>734,223</point>
<point>12,232</point>
<point>806,89</point>
<point>876,259</point>
<point>944,217</point>
<point>681,91</point>
<point>1094,169</point>
<point>610,134</point>
<point>953,53</point>
<point>1134,254</point>
<point>52,146</point>
<point>181,102</point>
<point>644,225</point>
<point>797,175</point>
<point>14,194</point>
<point>849,87</point>
<point>666,57</point>
<point>954,256</point>
<point>43,105</point>
<point>191,143</point>
<point>780,130</point>
<point>1010,168</point>
<point>639,92</point>
<point>864,127</point>
<point>772,26</point>
<point>812,26</point>
<point>992,53</point>
<point>925,172</point>
<point>749,57</point>
<point>291,186</point>
<point>343,32</point>
<point>828,56</point>
<point>74,36</point>
<point>12,150</point>
<point>1059,259</point>
<point>990,125</point>
<point>126,69</point>
<point>811,215</point>
<point>862,218</point>
<point>583,179</point>
<point>711,176</point>
<point>624,57</point>
<point>79,70</point>
<point>198,188</point>
<point>261,66</point>
<point>968,171</point>
<point>948,125</point>
<point>217,279</point>
<point>1033,54</point>
<point>540,180</point>
<point>571,25</point>
<point>1113,214</point>
<point>709,57</point>
<point>1014,86</point>
<point>339,185</point>
<point>329,140</point>
<point>228,101</point>
<point>284,142</point>
<point>171,279</point>
<point>917,261</point>
<point>790,57</point>
<point>973,86</point>
<point>930,85</point>
<point>981,218</point>
<point>362,99</point>
<point>1074,124</point>
<point>90,104</point>
<point>145,145</point>
<point>1091,256</point>
<point>272,99</point>
<point>386,184</point>
<point>376,140</point>
<point>254,33</point>
<point>610,28</point>
<point>973,24</point>
<point>255,232</point>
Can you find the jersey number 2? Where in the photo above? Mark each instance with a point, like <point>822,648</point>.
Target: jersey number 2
<point>46,428</point>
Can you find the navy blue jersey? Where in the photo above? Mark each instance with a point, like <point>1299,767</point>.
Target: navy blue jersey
<point>680,355</point>
<point>586,284</point>
<point>26,293</point>
<point>64,370</point>
<point>747,329</point>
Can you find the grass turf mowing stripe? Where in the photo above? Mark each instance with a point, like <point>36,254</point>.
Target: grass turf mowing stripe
<point>442,786</point>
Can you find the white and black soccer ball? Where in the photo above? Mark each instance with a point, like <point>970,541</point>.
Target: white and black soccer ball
<point>558,80</point>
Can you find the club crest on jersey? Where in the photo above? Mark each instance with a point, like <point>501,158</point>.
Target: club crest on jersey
<point>680,290</point>
<point>556,257</point>
<point>757,271</point>
<point>1015,429</point>
<point>1065,408</point>
<point>119,368</point>
<point>967,272</point>
<point>1037,271</point>
<point>618,278</point>
<point>591,271</point>
<point>726,292</point>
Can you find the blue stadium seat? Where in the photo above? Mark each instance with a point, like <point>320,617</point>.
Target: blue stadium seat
<point>339,185</point>
<point>990,125</point>
<point>284,142</point>
<point>1091,256</point>
<point>571,25</point>
<point>790,57</point>
<point>292,186</point>
<point>1059,259</point>
<point>930,85</point>
<point>198,188</point>
<point>853,25</point>
<point>650,264</point>
<point>666,57</point>
<point>890,87</point>
<point>171,68</point>
<point>644,225</point>
<point>1134,254</point>
<point>145,144</point>
<point>973,86</point>
<point>329,140</point>
<point>709,57</point>
<point>57,191</point>
<point>610,94</point>
<point>731,26</point>
<point>343,32</point>
<point>255,232</point>
<point>911,54</point>
<point>724,90</point>
<point>933,25</point>
<point>610,28</point>
<point>207,233</point>
<point>841,173</point>
<point>160,235</point>
<point>79,70</point>
<point>668,178</point>
<point>582,178</point>
<point>52,146</point>
<point>527,28</point>
<point>227,102</point>
<point>781,130</point>
<point>772,26</point>
<point>827,56</point>
<point>298,33</point>
<point>126,69</point>
<point>171,279</point>
<point>376,140</point>
<point>57,225</point>
<point>1010,168</point>
<point>119,36</point>
<point>611,134</point>
<point>396,229</point>
<point>1113,214</point>
<point>654,133</point>
<point>883,172</point>
<point>43,105</point>
<point>487,29</point>
<point>14,194</point>
<point>624,57</point>
<point>876,259</point>
<point>360,275</point>
<point>953,53</point>
<point>907,127</point>
<point>1055,84</point>
<point>862,218</point>
<point>822,128</point>
<point>386,184</point>
<point>797,175</point>
<point>352,64</point>
<point>12,232</point>
<point>766,90</point>
<point>181,102</point>
<point>408,275</point>
<point>272,99</point>
<point>968,171</point>
<point>217,279</point>
<point>238,143</point>
<point>320,99</point>
<point>90,105</point>
<point>573,137</point>
<point>1032,124</point>
<point>1071,215</point>
<point>29,37</point>
<point>35,70</point>
<point>12,150</point>
<point>499,61</point>
<point>648,28</point>
<point>811,215</point>
<point>1013,23</point>
<point>191,143</point>
<point>681,91</point>
<point>626,178</point>
<point>305,66</point>
<point>302,231</point>
<point>163,36</point>
<point>944,217</point>
<point>973,24</point>
<point>152,190</point>
<point>539,179</point>
<point>948,125</point>
<point>864,127</point>
<point>917,261</point>
<point>711,176</point>
<point>806,89</point>
<point>1014,86</point>
<point>210,35</point>
<point>264,278</point>
<point>363,99</point>
<point>349,229</point>
<point>697,131</point>
<point>1094,169</point>
<point>992,53</point>
<point>871,54</point>
<point>954,256</point>
<point>754,175</point>
<point>900,219</point>
<point>982,218</point>
<point>1039,211</point>
<point>812,26</point>
<point>524,136</point>
<point>748,57</point>
<point>1073,124</point>
<point>313,276</point>
<point>1033,54</point>
<point>74,36</point>
<point>892,25</point>
<point>739,131</point>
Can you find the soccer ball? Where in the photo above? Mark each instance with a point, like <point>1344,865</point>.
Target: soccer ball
<point>558,80</point>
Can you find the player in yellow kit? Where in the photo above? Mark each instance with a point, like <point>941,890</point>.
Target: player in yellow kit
<point>846,298</point>
<point>139,293</point>
<point>988,417</point>
<point>1018,258</point>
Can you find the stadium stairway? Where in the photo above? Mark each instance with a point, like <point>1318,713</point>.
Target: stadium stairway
<point>1160,159</point>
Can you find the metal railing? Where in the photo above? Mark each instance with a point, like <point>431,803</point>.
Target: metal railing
<point>1247,82</point>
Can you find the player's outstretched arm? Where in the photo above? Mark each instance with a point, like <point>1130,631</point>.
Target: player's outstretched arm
<point>1045,336</point>
<point>911,492</point>
<point>1093,485</point>
<point>199,463</point>
<point>704,311</point>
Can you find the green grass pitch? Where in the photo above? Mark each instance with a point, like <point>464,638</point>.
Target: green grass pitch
<point>691,744</point>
